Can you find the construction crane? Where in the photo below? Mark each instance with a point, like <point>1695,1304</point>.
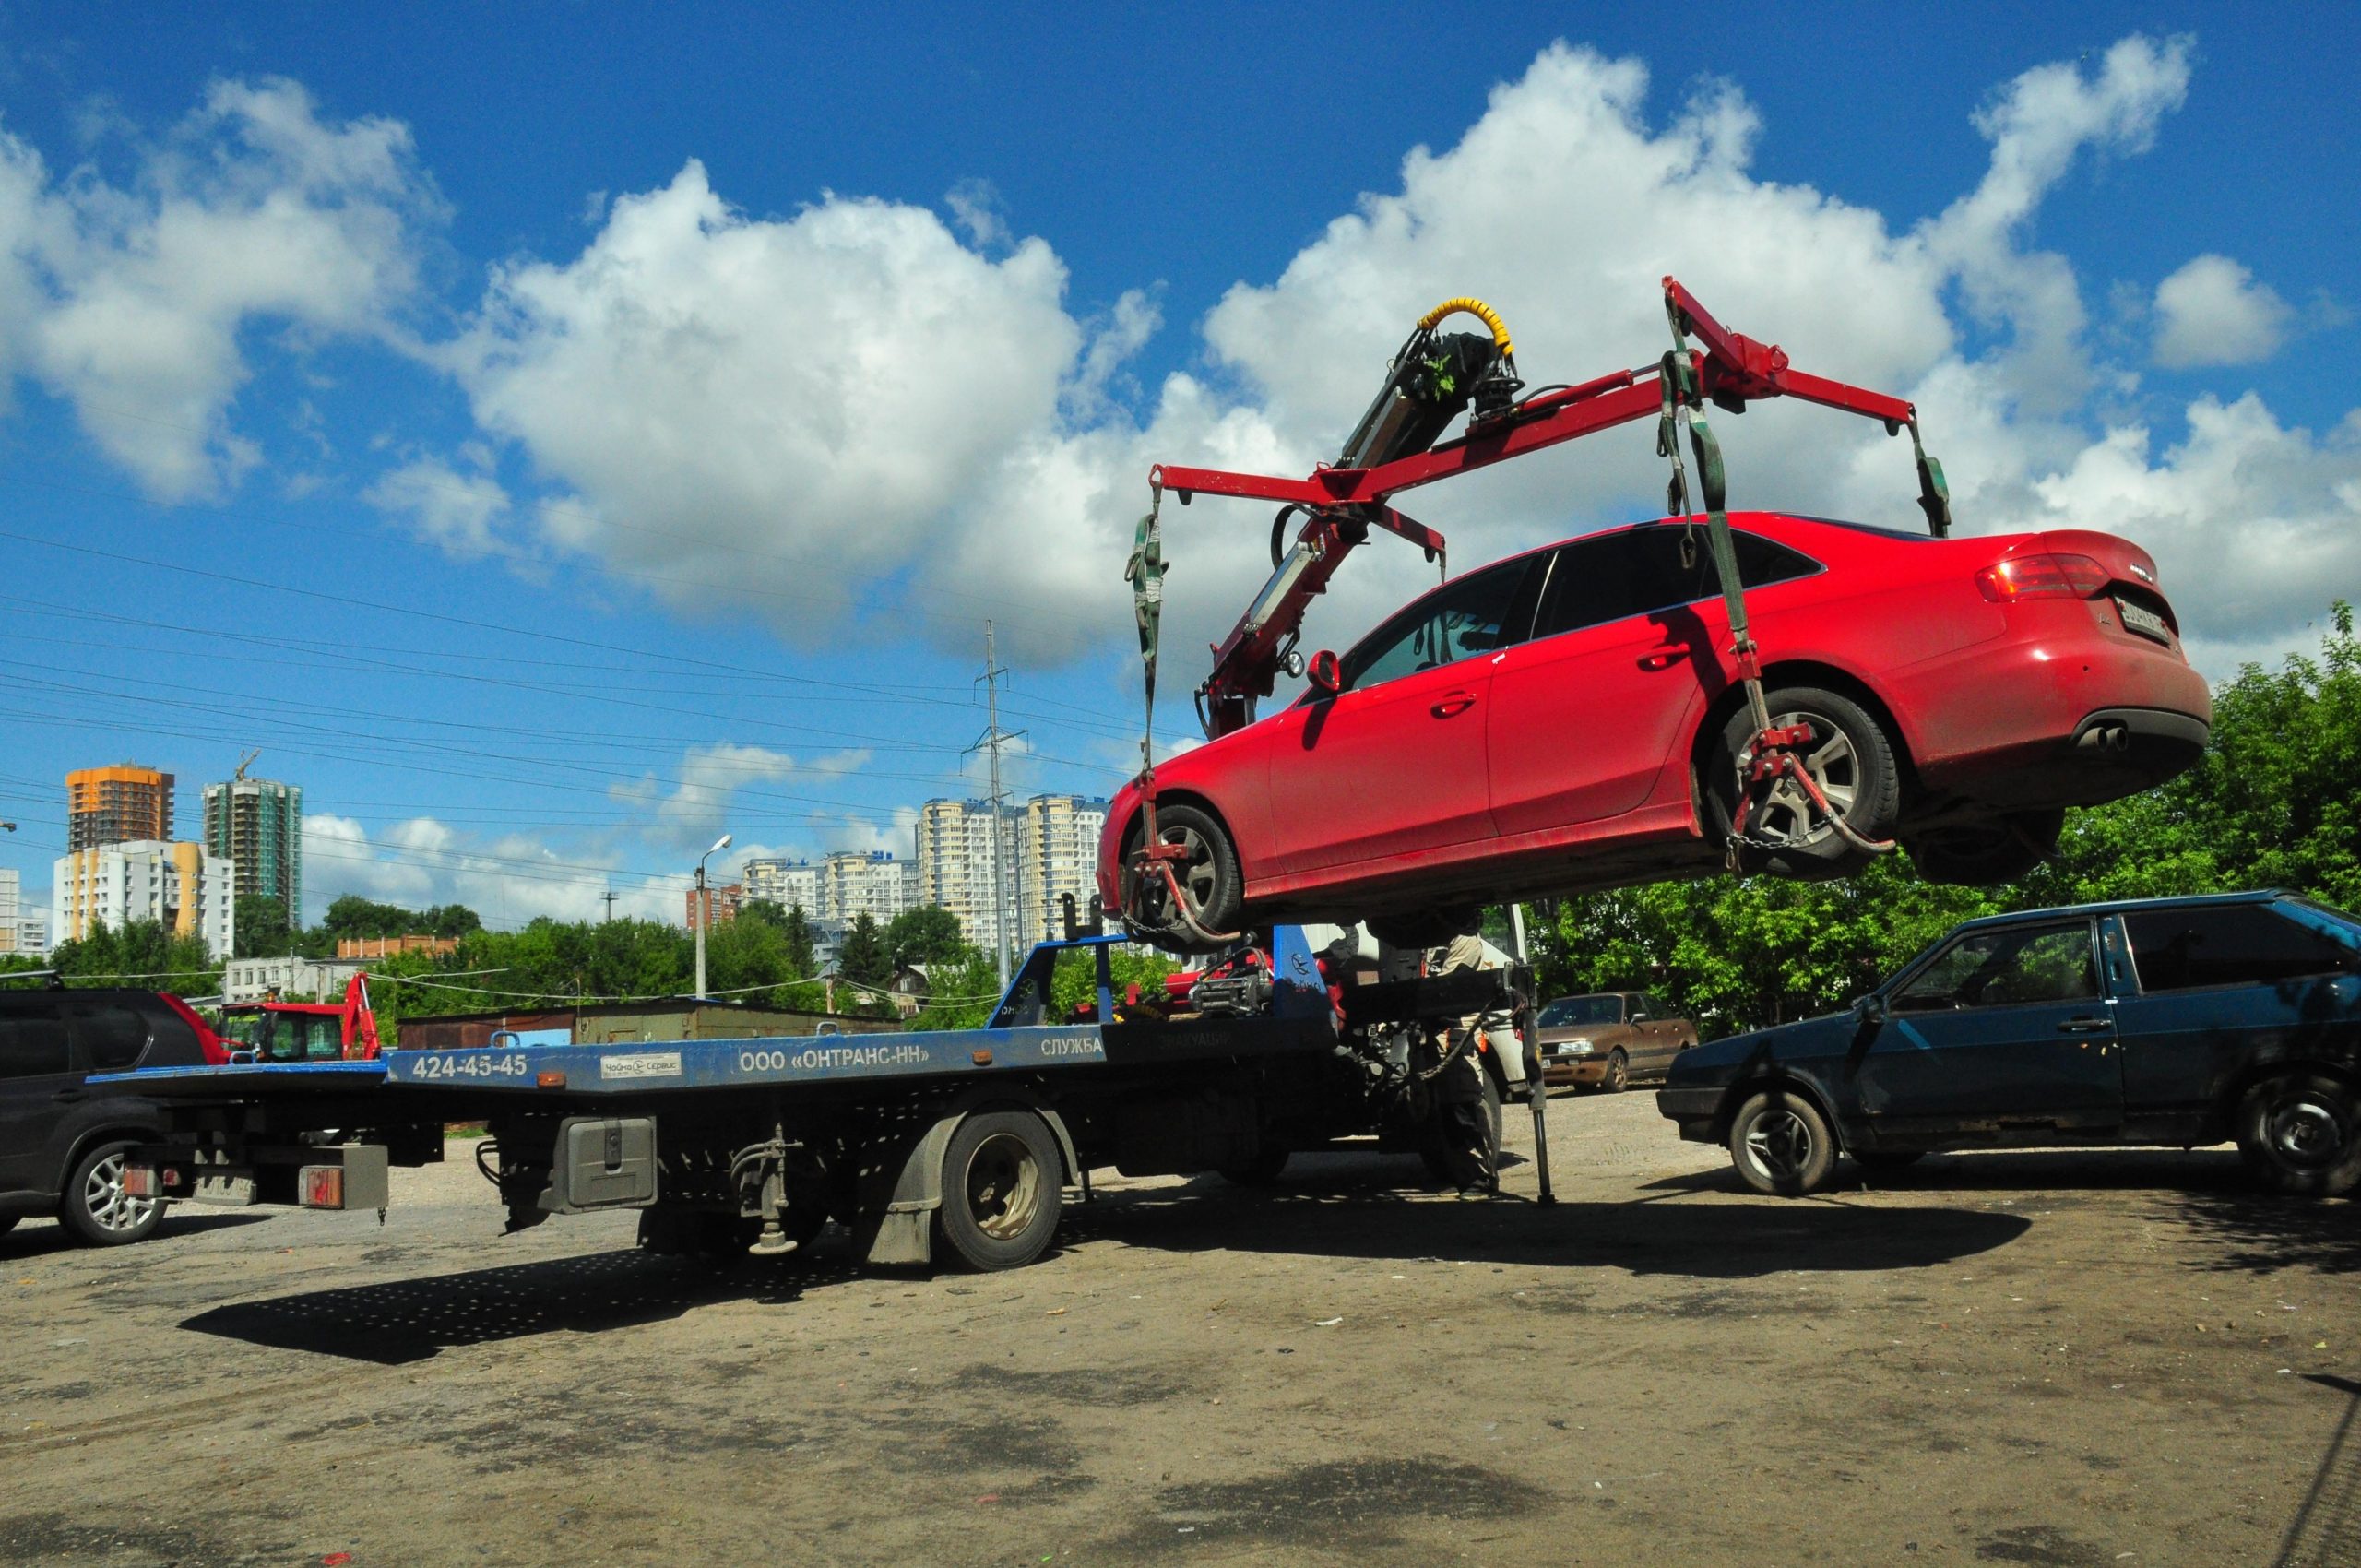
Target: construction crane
<point>244,762</point>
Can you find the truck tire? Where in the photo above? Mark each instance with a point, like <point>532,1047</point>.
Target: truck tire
<point>1782,1146</point>
<point>1003,1183</point>
<point>95,1207</point>
<point>2301,1132</point>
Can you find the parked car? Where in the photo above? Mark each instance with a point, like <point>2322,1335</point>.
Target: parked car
<point>2172,1021</point>
<point>1569,719</point>
<point>62,1140</point>
<point>1610,1039</point>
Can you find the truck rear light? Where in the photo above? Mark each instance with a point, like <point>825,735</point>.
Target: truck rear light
<point>323,1186</point>
<point>139,1182</point>
<point>2042,575</point>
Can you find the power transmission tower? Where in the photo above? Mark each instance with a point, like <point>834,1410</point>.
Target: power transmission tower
<point>989,744</point>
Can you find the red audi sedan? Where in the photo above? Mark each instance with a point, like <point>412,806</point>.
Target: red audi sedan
<point>1569,719</point>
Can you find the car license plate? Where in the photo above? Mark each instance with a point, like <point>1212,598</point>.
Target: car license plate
<point>2147,623</point>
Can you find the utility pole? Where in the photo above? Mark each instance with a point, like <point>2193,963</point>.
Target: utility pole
<point>990,743</point>
<point>609,897</point>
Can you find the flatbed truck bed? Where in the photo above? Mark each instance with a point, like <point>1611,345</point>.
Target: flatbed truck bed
<point>961,1138</point>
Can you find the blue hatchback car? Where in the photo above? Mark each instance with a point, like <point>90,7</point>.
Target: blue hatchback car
<point>2171,1021</point>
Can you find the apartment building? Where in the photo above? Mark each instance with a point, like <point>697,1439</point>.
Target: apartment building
<point>1057,852</point>
<point>955,867</point>
<point>179,886</point>
<point>11,908</point>
<point>792,884</point>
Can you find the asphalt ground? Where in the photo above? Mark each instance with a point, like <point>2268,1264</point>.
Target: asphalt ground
<point>2125,1358</point>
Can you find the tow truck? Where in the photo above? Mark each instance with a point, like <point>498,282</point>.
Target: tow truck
<point>964,1138</point>
<point>969,1138</point>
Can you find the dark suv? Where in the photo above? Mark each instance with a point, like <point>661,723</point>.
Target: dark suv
<point>2176,1021</point>
<point>62,1140</point>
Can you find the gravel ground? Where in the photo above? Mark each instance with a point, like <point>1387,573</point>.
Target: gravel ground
<point>2033,1359</point>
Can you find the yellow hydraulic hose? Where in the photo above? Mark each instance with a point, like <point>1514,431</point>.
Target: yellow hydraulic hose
<point>1479,309</point>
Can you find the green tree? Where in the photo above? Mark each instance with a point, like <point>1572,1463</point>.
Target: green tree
<point>864,958</point>
<point>793,929</point>
<point>262,928</point>
<point>141,953</point>
<point>927,935</point>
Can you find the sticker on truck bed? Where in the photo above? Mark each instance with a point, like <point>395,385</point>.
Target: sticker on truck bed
<point>641,1064</point>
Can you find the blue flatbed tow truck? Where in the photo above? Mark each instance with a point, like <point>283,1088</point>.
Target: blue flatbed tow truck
<point>964,1138</point>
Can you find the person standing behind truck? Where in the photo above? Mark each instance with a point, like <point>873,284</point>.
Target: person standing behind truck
<point>1455,1079</point>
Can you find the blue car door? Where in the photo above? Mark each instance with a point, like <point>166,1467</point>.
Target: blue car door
<point>2007,1031</point>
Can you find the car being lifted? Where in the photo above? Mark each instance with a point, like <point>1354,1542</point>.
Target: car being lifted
<point>1762,691</point>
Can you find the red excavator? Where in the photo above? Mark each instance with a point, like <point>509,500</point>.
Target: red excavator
<point>303,1031</point>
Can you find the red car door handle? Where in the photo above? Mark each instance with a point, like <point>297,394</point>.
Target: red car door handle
<point>1663,660</point>
<point>1456,703</point>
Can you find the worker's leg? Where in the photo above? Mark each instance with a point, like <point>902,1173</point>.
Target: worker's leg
<point>1459,1112</point>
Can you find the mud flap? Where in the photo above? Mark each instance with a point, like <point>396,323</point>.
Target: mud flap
<point>901,1182</point>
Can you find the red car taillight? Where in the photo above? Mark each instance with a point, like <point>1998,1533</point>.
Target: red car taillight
<point>2042,575</point>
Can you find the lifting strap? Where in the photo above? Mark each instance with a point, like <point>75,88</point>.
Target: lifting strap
<point>1770,755</point>
<point>1144,572</point>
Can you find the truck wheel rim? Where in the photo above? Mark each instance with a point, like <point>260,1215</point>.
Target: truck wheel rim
<point>1779,1144</point>
<point>106,1202</point>
<point>1004,1187</point>
<point>1786,814</point>
<point>2306,1133</point>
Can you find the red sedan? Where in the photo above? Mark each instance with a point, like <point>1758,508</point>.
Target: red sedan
<point>1569,719</point>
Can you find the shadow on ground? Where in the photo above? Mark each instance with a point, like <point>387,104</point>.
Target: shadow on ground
<point>412,1320</point>
<point>1356,1208</point>
<point>42,1240</point>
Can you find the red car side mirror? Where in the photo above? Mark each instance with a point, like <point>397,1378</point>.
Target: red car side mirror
<point>1325,674</point>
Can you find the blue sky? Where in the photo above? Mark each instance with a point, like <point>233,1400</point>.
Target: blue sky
<point>554,435</point>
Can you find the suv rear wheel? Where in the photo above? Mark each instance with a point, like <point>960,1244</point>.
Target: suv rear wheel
<point>95,1206</point>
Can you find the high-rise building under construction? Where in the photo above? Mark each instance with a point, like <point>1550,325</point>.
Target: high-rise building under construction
<point>257,826</point>
<point>123,804</point>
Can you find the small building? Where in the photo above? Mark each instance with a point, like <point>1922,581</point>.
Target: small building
<point>389,947</point>
<point>285,979</point>
<point>627,1023</point>
<point>910,986</point>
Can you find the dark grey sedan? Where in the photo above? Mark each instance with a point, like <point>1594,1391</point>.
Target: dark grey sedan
<point>2172,1021</point>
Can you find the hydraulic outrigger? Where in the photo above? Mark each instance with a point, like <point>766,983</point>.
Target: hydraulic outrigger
<point>1432,379</point>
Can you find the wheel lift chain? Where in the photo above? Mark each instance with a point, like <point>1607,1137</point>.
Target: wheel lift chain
<point>1144,572</point>
<point>1770,755</point>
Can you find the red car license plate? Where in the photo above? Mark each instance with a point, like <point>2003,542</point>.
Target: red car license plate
<point>2147,623</point>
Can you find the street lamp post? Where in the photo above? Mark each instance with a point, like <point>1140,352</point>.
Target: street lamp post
<point>704,907</point>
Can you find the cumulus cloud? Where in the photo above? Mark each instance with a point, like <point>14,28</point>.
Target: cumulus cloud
<point>508,879</point>
<point>128,300</point>
<point>2212,311</point>
<point>456,511</point>
<point>711,776</point>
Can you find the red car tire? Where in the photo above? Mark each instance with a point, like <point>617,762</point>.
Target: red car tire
<point>1852,760</point>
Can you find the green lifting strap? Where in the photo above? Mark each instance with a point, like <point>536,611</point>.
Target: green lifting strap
<point>1144,572</point>
<point>1934,490</point>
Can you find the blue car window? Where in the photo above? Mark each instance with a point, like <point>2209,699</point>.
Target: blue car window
<point>2006,966</point>
<point>2198,946</point>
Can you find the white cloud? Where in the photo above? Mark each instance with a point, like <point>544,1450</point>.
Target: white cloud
<point>453,510</point>
<point>769,403</point>
<point>129,300</point>
<point>711,776</point>
<point>2212,311</point>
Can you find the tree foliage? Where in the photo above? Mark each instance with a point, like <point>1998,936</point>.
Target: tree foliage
<point>2275,802</point>
<point>142,953</point>
<point>260,920</point>
<point>927,935</point>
